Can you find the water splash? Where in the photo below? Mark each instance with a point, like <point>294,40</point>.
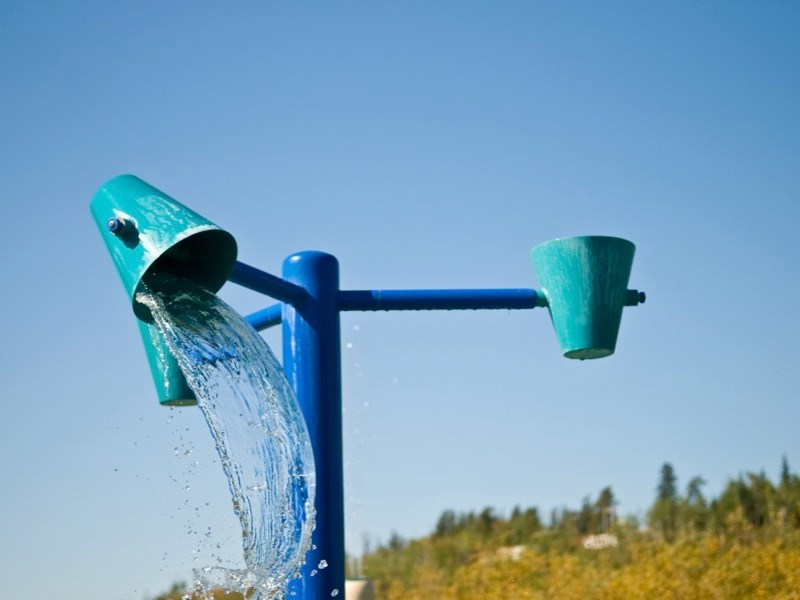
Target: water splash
<point>258,430</point>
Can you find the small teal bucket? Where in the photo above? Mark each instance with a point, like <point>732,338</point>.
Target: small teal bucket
<point>585,282</point>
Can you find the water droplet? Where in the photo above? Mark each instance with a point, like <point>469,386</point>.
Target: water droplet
<point>323,564</point>
<point>334,593</point>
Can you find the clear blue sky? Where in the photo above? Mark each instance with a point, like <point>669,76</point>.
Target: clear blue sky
<point>426,144</point>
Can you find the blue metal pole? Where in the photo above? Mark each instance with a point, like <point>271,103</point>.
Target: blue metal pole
<point>439,299</point>
<point>266,318</point>
<point>374,300</point>
<point>265,283</point>
<point>312,361</point>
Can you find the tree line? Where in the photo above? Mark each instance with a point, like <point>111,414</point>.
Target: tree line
<point>749,503</point>
<point>749,506</point>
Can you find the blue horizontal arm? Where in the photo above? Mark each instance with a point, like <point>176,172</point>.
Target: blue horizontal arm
<point>374,300</point>
<point>266,318</point>
<point>365,300</point>
<point>439,299</point>
<point>265,283</point>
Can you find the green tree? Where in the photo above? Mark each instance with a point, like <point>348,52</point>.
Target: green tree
<point>746,504</point>
<point>764,497</point>
<point>606,509</point>
<point>668,484</point>
<point>663,515</point>
<point>694,508</point>
<point>447,524</point>
<point>175,592</point>
<point>486,522</point>
<point>788,497</point>
<point>523,525</point>
<point>587,517</point>
<point>396,541</point>
<point>786,474</point>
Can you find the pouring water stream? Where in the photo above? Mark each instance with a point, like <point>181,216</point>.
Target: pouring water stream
<point>257,427</point>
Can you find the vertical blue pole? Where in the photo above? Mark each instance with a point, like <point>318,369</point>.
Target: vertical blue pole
<point>312,360</point>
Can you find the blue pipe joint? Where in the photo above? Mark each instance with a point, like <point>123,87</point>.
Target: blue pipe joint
<point>149,233</point>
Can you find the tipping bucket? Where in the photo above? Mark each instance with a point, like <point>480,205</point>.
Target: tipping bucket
<point>147,232</point>
<point>585,281</point>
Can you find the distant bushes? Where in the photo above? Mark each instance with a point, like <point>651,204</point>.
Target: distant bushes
<point>179,592</point>
<point>743,544</point>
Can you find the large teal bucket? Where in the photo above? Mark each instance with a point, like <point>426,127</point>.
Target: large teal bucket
<point>147,232</point>
<point>585,282</point>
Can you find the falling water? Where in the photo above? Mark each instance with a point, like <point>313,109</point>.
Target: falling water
<point>258,429</point>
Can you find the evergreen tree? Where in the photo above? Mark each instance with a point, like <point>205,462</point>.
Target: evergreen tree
<point>486,522</point>
<point>786,474</point>
<point>763,496</point>
<point>695,510</point>
<point>523,525</point>
<point>587,518</point>
<point>605,508</point>
<point>663,515</point>
<point>668,485</point>
<point>447,524</point>
<point>788,498</point>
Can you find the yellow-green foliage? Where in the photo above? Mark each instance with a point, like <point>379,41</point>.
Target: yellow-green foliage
<point>178,592</point>
<point>743,544</point>
<point>699,567</point>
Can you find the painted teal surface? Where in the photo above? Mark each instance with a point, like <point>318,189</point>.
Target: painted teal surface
<point>585,281</point>
<point>159,234</point>
<point>171,385</point>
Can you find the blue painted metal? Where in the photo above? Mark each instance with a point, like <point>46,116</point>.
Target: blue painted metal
<point>266,283</point>
<point>115,225</point>
<point>266,318</point>
<point>312,361</point>
<point>634,297</point>
<point>439,299</point>
<point>374,300</point>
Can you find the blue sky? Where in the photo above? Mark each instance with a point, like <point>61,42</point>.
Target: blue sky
<point>426,145</point>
